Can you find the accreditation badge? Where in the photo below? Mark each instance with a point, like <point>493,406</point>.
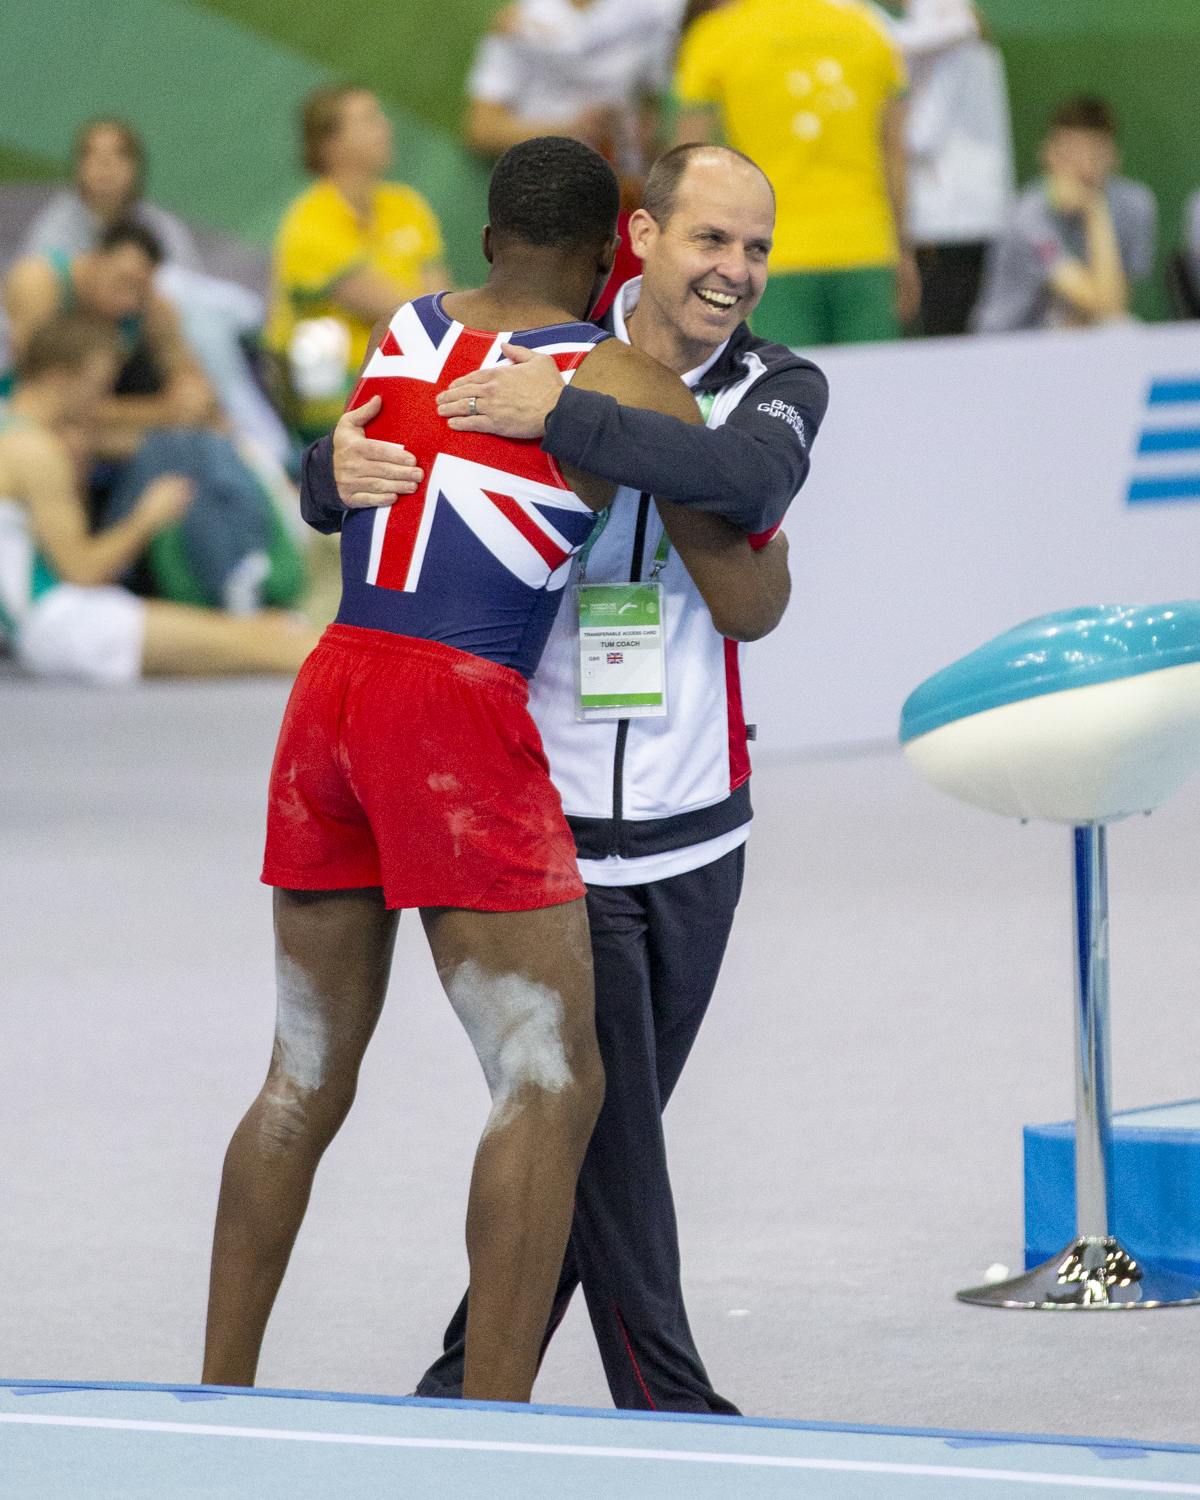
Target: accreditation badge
<point>620,661</point>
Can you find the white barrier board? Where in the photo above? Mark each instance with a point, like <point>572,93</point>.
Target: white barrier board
<point>961,486</point>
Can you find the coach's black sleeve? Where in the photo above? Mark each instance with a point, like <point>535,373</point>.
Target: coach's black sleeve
<point>747,470</point>
<point>319,502</point>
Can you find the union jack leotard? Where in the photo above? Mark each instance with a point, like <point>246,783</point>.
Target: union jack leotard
<point>478,556</point>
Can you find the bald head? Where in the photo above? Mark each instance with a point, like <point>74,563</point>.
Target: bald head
<point>703,235</point>
<point>709,164</point>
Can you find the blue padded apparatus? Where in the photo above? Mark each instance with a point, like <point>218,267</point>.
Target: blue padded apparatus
<point>1072,648</point>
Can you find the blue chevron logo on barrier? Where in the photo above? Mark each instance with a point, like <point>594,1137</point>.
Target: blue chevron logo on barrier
<point>1167,462</point>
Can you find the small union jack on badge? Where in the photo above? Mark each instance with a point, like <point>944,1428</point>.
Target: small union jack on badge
<point>615,658</point>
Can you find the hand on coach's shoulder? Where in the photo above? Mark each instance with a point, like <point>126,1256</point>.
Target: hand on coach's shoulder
<point>515,400</point>
<point>511,401</point>
<point>367,471</point>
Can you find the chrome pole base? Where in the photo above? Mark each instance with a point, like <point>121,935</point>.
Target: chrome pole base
<point>1090,1275</point>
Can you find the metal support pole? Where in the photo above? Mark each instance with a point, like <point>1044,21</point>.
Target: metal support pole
<point>1093,1068</point>
<point>1095,1271</point>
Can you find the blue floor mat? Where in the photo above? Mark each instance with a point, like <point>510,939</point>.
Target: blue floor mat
<point>119,1442</point>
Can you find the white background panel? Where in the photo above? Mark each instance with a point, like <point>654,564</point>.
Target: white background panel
<point>960,487</point>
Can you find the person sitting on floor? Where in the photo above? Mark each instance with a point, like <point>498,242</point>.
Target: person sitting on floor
<point>110,171</point>
<point>110,167</point>
<point>160,384</point>
<point>1077,239</point>
<point>233,549</point>
<point>59,607</point>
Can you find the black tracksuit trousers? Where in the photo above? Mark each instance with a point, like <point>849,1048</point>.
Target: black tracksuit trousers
<point>657,950</point>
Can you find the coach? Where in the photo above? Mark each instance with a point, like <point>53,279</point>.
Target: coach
<point>660,807</point>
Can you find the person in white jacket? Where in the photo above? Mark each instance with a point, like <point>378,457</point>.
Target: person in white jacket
<point>960,155</point>
<point>583,68</point>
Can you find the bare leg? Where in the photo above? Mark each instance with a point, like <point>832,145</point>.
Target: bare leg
<point>333,954</point>
<point>521,983</point>
<point>182,641</point>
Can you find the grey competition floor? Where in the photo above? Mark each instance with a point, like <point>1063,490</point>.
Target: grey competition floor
<point>846,1143</point>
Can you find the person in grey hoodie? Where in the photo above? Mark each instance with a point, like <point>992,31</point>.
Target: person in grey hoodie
<point>1078,237</point>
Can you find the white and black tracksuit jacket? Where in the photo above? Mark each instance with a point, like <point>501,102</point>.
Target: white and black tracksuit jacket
<point>649,798</point>
<point>655,797</point>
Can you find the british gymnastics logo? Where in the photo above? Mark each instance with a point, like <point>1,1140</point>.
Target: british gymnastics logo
<point>787,414</point>
<point>1167,462</point>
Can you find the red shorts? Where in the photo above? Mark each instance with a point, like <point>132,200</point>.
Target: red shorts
<point>415,766</point>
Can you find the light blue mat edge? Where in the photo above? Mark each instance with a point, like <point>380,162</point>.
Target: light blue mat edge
<point>1137,1124</point>
<point>604,1413</point>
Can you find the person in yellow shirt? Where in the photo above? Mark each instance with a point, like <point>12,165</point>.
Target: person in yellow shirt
<point>811,91</point>
<point>349,250</point>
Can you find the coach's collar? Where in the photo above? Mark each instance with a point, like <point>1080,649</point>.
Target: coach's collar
<point>623,305</point>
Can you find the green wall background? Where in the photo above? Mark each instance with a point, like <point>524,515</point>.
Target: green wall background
<point>214,85</point>
<point>1141,55</point>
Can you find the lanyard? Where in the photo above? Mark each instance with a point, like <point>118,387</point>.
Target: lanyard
<point>705,402</point>
<point>661,554</point>
<point>586,550</point>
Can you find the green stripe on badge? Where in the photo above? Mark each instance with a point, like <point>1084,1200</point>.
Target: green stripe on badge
<point>622,700</point>
<point>617,606</point>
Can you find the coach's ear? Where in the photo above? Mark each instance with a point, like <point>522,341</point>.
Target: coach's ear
<point>487,243</point>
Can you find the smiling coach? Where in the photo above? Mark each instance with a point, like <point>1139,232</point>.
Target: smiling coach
<point>659,806</point>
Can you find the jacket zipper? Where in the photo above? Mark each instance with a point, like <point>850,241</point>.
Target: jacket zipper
<point>635,576</point>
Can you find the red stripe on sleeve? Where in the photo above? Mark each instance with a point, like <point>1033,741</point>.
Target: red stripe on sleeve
<point>739,754</point>
<point>760,538</point>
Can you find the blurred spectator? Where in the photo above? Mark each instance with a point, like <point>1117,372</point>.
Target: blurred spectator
<point>809,89</point>
<point>110,171</point>
<point>591,69</point>
<point>110,165</point>
<point>1191,243</point>
<point>349,250</point>
<point>1076,238</point>
<point>222,324</point>
<point>233,548</point>
<point>960,155</point>
<point>159,384</point>
<point>58,603</point>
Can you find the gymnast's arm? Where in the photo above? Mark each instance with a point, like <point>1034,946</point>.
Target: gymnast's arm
<point>744,580</point>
